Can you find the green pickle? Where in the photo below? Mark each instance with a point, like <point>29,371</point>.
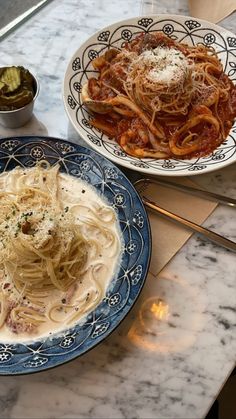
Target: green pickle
<point>16,88</point>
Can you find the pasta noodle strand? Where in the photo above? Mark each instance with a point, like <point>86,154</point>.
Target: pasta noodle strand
<point>147,92</point>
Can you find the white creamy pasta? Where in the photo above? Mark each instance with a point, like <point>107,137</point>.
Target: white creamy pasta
<point>60,246</point>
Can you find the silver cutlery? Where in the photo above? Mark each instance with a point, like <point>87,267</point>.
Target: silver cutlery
<point>141,184</point>
<point>211,196</point>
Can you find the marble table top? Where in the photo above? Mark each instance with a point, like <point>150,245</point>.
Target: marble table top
<point>177,369</point>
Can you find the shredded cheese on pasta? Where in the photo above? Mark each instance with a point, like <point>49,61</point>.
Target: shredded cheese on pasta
<point>52,263</point>
<point>163,65</point>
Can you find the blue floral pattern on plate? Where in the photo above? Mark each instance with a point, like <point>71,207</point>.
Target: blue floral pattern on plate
<point>23,358</point>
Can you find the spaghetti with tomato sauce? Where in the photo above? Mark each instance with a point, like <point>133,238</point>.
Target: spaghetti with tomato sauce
<point>159,98</point>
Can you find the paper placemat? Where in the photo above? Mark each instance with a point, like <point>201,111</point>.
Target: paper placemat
<point>167,236</point>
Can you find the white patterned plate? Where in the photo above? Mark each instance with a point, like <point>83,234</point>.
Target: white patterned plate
<point>182,28</point>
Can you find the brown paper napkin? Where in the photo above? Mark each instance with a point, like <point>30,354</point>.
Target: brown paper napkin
<point>167,236</point>
<point>211,10</point>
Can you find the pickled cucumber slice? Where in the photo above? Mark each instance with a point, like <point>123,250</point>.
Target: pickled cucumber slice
<point>15,101</point>
<point>17,87</point>
<point>3,87</point>
<point>11,77</point>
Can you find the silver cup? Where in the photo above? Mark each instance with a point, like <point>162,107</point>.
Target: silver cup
<point>18,117</point>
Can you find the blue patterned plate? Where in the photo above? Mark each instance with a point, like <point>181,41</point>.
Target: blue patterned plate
<point>123,291</point>
<point>182,28</point>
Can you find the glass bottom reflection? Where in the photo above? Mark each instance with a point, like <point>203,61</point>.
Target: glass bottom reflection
<point>170,320</point>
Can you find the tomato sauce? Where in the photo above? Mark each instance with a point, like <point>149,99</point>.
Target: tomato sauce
<point>132,128</point>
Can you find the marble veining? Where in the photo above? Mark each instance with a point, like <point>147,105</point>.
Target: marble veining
<point>171,364</point>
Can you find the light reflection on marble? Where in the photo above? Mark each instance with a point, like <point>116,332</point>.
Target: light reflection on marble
<point>164,361</point>
<point>162,326</point>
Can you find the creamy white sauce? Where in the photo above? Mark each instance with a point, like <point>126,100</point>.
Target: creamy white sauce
<point>73,191</point>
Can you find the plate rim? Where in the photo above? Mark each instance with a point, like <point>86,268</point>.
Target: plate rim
<point>75,355</point>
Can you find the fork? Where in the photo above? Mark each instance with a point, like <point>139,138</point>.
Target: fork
<point>212,236</point>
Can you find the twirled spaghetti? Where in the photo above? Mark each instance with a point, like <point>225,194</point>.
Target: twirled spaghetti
<point>161,98</point>
<point>57,236</point>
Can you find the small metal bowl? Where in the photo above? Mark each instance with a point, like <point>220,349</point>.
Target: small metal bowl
<point>18,117</point>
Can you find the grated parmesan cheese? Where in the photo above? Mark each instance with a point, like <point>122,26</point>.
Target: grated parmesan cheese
<point>164,65</point>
